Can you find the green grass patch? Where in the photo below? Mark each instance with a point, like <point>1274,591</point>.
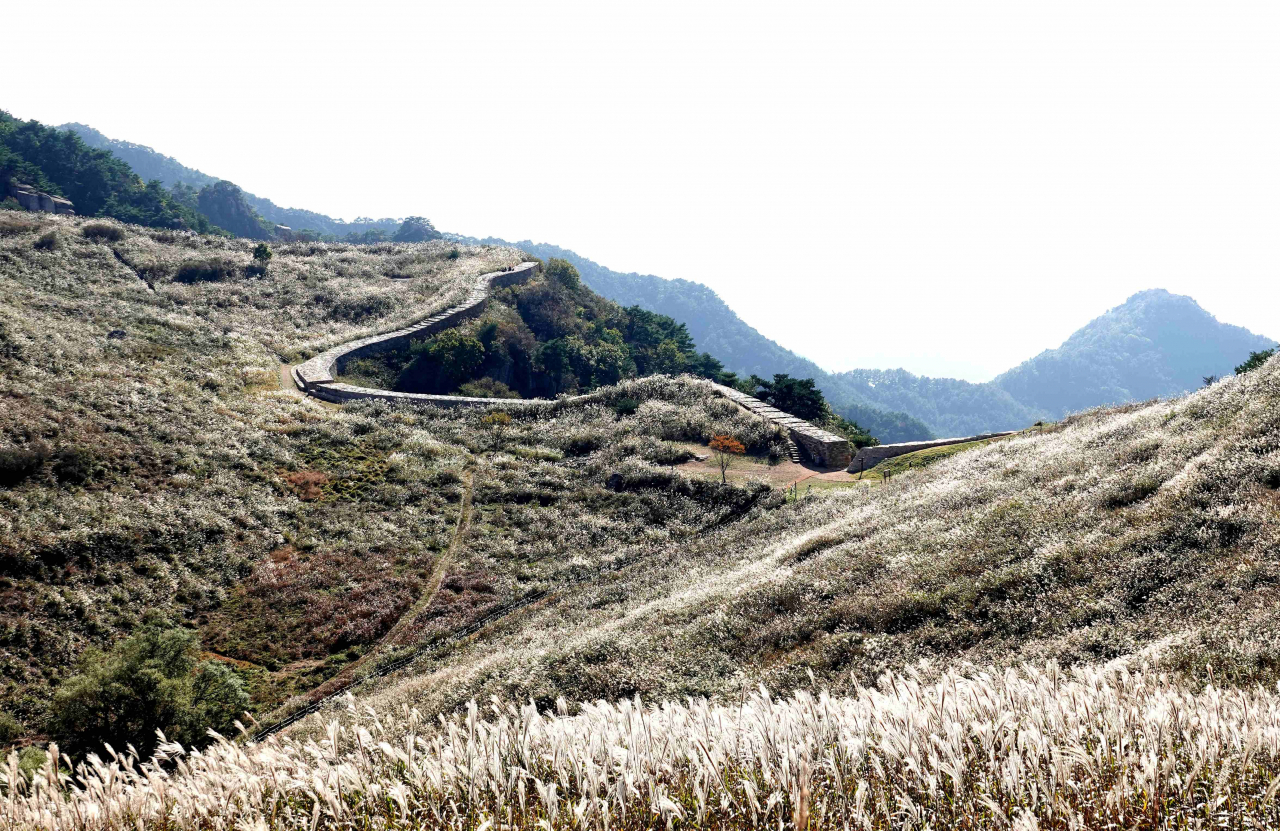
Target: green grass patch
<point>923,458</point>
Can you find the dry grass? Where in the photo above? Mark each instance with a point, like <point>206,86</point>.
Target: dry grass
<point>197,469</point>
<point>1094,748</point>
<point>1152,529</point>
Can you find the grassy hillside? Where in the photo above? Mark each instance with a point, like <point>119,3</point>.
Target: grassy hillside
<point>156,470</point>
<point>152,469</point>
<point>1110,533</point>
<point>1156,344</point>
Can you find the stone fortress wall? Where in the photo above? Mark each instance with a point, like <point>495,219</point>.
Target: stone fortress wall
<point>869,457</point>
<point>318,376</point>
<point>823,448</point>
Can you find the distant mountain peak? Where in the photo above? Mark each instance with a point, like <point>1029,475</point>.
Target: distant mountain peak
<point>1155,344</point>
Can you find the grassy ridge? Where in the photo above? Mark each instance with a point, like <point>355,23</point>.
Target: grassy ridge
<point>1151,527</point>
<point>921,459</point>
<point>154,470</point>
<point>159,473</point>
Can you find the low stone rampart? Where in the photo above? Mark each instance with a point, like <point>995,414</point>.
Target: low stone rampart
<point>37,200</point>
<point>318,376</point>
<point>868,457</point>
<point>323,369</point>
<point>823,448</point>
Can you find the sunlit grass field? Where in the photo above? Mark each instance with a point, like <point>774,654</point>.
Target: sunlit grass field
<point>1068,629</point>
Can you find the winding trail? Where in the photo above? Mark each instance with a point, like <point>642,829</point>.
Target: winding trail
<point>344,680</point>
<point>317,377</point>
<point>287,383</point>
<point>443,562</point>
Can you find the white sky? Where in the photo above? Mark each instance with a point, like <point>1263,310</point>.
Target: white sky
<point>946,187</point>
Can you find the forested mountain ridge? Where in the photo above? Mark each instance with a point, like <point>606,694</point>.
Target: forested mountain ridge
<point>1154,344</point>
<point>717,329</point>
<point>95,181</point>
<point>152,164</point>
<point>949,406</point>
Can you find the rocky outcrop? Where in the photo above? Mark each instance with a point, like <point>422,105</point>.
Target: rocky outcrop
<point>37,200</point>
<point>869,457</point>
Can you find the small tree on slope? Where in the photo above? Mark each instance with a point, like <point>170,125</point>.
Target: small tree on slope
<point>725,448</point>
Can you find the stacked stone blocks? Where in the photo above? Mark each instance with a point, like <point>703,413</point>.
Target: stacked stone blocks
<point>318,376</point>
<point>869,457</point>
<point>823,448</point>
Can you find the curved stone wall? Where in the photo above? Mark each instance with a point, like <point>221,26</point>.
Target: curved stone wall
<point>869,457</point>
<point>318,376</point>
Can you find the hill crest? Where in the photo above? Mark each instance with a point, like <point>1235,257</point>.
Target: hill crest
<point>1155,344</point>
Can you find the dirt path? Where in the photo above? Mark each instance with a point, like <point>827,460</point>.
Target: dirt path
<point>353,673</point>
<point>390,640</point>
<point>286,381</point>
<point>784,474</point>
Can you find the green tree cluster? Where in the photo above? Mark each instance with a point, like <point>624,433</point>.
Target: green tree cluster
<point>1256,359</point>
<point>554,335</point>
<point>225,205</point>
<point>99,184</point>
<point>416,229</point>
<point>151,681</point>
<point>802,398</point>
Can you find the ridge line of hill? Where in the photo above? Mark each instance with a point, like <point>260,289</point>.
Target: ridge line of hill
<point>717,329</point>
<point>1154,345</point>
<point>318,376</point>
<point>727,338</point>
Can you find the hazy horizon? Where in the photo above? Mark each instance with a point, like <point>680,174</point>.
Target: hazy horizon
<point>987,179</point>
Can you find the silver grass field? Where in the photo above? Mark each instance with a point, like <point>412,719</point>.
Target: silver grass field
<point>1092,748</point>
<point>1073,628</point>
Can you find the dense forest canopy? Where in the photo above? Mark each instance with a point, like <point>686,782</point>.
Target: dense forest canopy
<point>307,225</point>
<point>1155,344</point>
<point>99,184</point>
<point>550,336</point>
<point>135,184</point>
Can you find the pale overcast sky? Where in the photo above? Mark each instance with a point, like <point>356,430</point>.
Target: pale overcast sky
<point>945,187</point>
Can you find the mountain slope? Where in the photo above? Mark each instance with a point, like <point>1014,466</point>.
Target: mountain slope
<point>1154,344</point>
<point>717,329</point>
<point>949,406</point>
<point>152,164</point>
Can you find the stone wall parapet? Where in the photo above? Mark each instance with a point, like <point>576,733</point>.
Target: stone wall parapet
<point>324,368</point>
<point>869,457</point>
<point>318,376</point>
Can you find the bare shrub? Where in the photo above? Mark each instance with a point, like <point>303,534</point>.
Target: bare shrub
<point>18,463</point>
<point>103,232</point>
<point>308,484</point>
<point>207,270</point>
<point>11,226</point>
